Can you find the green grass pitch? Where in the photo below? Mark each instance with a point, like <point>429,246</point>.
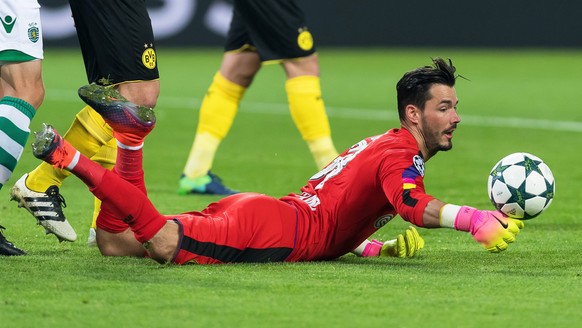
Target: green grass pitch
<point>510,101</point>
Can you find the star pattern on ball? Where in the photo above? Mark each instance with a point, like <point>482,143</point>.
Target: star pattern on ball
<point>548,194</point>
<point>497,173</point>
<point>518,195</point>
<point>531,165</point>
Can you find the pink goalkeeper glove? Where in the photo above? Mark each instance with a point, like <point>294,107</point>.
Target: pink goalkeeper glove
<point>492,229</point>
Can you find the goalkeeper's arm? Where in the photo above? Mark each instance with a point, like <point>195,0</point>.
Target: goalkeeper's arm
<point>407,244</point>
<point>492,229</point>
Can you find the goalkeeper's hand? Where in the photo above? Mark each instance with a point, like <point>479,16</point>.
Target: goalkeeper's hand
<point>405,245</point>
<point>492,229</point>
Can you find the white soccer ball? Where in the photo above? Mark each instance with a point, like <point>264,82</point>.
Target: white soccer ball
<point>521,185</point>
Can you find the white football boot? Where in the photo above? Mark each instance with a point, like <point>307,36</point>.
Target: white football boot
<point>46,207</point>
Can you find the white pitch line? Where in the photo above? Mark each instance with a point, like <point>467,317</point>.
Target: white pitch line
<point>351,113</point>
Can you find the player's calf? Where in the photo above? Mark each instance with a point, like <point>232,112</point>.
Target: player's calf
<point>130,122</point>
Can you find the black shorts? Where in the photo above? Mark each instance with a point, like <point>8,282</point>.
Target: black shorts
<point>276,29</point>
<point>117,41</point>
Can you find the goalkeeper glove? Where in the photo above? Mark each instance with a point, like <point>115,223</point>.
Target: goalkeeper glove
<point>405,245</point>
<point>492,229</point>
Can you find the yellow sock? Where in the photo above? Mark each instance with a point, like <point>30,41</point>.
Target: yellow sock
<point>87,133</point>
<point>201,155</point>
<point>106,157</point>
<point>44,176</point>
<point>217,112</point>
<point>308,113</point>
<point>96,210</point>
<point>95,134</point>
<point>323,151</point>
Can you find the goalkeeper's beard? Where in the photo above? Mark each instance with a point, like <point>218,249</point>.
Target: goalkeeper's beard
<point>432,138</point>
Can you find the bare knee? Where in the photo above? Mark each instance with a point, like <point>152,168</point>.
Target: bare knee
<point>24,81</point>
<point>35,97</point>
<point>119,244</point>
<point>304,66</point>
<point>30,88</point>
<point>144,93</point>
<point>33,94</point>
<point>240,68</point>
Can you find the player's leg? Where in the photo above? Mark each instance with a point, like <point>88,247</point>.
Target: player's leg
<point>22,85</point>
<point>122,243</point>
<point>217,113</point>
<point>125,59</point>
<point>143,93</point>
<point>113,237</point>
<point>125,238</point>
<point>15,116</point>
<point>110,59</point>
<point>39,190</point>
<point>22,80</point>
<point>106,158</point>
<point>128,202</point>
<point>18,104</point>
<point>287,40</point>
<point>131,124</point>
<point>308,109</point>
<point>117,62</point>
<point>218,110</point>
<point>92,137</point>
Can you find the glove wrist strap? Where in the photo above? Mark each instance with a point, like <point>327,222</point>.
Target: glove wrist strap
<point>373,248</point>
<point>448,215</point>
<point>465,217</point>
<point>457,217</point>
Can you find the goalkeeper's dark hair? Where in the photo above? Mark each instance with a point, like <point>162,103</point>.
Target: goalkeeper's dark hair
<point>413,88</point>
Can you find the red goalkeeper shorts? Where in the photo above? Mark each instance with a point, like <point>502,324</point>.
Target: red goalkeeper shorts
<point>245,227</point>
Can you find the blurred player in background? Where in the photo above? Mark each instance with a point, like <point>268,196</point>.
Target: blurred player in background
<point>260,32</point>
<point>339,208</point>
<point>21,86</point>
<point>118,50</point>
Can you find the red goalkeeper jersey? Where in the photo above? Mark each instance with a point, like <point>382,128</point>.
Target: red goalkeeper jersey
<point>359,192</point>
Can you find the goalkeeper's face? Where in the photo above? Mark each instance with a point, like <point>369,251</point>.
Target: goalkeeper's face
<point>439,118</point>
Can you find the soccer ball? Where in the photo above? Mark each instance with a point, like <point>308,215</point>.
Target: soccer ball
<point>521,185</point>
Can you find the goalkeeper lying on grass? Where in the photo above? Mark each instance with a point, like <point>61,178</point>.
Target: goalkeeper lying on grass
<point>339,208</point>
